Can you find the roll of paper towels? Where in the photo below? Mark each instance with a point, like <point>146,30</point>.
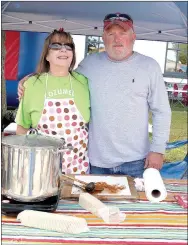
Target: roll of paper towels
<point>154,187</point>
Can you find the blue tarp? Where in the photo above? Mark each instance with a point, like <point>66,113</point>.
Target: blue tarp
<point>175,170</point>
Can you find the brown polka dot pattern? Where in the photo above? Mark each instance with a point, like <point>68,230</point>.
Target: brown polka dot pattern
<point>67,131</point>
<point>66,110</point>
<point>71,102</point>
<point>51,118</point>
<point>75,150</point>
<point>57,103</point>
<point>59,125</point>
<point>63,119</point>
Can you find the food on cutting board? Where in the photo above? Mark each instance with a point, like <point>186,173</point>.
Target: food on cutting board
<point>110,188</point>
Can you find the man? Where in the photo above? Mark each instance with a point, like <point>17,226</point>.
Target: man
<point>124,86</point>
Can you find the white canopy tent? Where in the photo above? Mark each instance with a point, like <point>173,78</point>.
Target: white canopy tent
<point>159,21</point>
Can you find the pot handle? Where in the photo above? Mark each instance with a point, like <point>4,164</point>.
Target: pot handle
<point>70,148</point>
<point>32,131</point>
<point>61,150</point>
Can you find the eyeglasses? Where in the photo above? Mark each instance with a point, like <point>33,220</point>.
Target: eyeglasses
<point>59,46</point>
<point>117,16</point>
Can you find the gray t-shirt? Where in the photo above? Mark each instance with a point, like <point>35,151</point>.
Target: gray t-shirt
<point>122,93</point>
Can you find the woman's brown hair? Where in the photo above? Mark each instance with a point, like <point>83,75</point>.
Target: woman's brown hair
<point>65,37</point>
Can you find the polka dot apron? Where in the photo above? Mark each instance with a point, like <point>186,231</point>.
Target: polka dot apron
<point>62,119</point>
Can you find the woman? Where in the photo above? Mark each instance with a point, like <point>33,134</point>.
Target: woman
<point>56,101</point>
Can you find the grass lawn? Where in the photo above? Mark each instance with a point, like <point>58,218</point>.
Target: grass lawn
<point>178,131</point>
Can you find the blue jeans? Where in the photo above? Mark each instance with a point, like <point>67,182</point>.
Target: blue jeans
<point>134,169</point>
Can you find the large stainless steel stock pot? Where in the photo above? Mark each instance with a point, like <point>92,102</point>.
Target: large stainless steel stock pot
<point>31,166</point>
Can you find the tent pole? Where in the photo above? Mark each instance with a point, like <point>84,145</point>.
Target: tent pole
<point>174,35</point>
<point>4,7</point>
<point>14,23</point>
<point>51,28</point>
<point>44,21</point>
<point>16,18</point>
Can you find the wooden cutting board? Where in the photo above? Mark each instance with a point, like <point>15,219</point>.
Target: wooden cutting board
<point>69,191</point>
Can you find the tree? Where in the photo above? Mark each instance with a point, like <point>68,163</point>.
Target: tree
<point>183,53</point>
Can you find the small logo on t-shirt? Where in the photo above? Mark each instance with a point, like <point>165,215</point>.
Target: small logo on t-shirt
<point>60,91</point>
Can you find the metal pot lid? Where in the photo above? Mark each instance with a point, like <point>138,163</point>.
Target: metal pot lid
<point>33,140</point>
